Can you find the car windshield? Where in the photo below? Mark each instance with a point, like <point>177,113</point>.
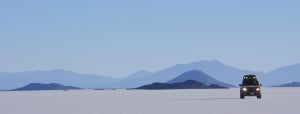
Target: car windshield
<point>250,82</point>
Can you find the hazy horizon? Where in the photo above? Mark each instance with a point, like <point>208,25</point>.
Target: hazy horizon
<point>117,38</point>
<point>142,70</point>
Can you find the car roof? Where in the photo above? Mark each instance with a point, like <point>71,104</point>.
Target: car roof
<point>251,75</point>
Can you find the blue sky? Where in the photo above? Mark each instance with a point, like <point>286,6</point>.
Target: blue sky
<point>119,37</point>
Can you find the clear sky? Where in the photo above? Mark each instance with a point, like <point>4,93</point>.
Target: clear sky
<point>119,37</point>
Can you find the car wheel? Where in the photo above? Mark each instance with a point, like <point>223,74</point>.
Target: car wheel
<point>259,96</point>
<point>242,96</point>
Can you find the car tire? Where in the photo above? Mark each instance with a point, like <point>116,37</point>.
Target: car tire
<point>242,96</point>
<point>259,96</point>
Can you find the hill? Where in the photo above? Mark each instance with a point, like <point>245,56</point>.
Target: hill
<point>189,84</point>
<point>10,81</point>
<point>40,86</point>
<point>199,76</point>
<point>292,84</point>
<point>216,69</point>
<point>285,74</point>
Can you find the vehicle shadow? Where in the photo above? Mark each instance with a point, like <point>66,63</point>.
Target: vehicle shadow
<point>205,99</point>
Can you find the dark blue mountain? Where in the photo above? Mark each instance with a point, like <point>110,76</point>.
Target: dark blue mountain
<point>292,84</point>
<point>199,76</point>
<point>40,86</point>
<point>188,84</point>
<point>10,81</point>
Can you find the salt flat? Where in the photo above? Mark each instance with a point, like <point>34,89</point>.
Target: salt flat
<point>192,101</point>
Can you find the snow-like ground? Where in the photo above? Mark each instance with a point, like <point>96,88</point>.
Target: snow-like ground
<point>193,101</point>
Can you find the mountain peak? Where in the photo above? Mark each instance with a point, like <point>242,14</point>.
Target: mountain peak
<point>199,76</point>
<point>195,71</point>
<point>59,70</point>
<point>208,62</point>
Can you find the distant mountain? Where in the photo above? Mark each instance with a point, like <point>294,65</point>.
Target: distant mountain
<point>40,86</point>
<point>10,81</point>
<point>189,84</point>
<point>284,74</point>
<point>224,73</point>
<point>199,76</point>
<point>133,80</point>
<point>216,69</point>
<point>292,84</point>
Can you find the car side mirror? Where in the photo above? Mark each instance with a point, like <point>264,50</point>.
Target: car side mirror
<point>240,84</point>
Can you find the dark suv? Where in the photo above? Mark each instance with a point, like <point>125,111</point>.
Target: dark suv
<point>250,87</point>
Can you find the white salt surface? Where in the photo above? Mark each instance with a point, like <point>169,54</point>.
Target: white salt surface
<point>193,101</point>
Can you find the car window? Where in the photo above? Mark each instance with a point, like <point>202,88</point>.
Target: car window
<point>250,82</point>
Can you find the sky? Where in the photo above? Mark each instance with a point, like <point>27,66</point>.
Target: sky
<point>119,37</point>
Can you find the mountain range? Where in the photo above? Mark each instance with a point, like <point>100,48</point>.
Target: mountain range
<point>10,81</point>
<point>194,79</point>
<point>215,69</point>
